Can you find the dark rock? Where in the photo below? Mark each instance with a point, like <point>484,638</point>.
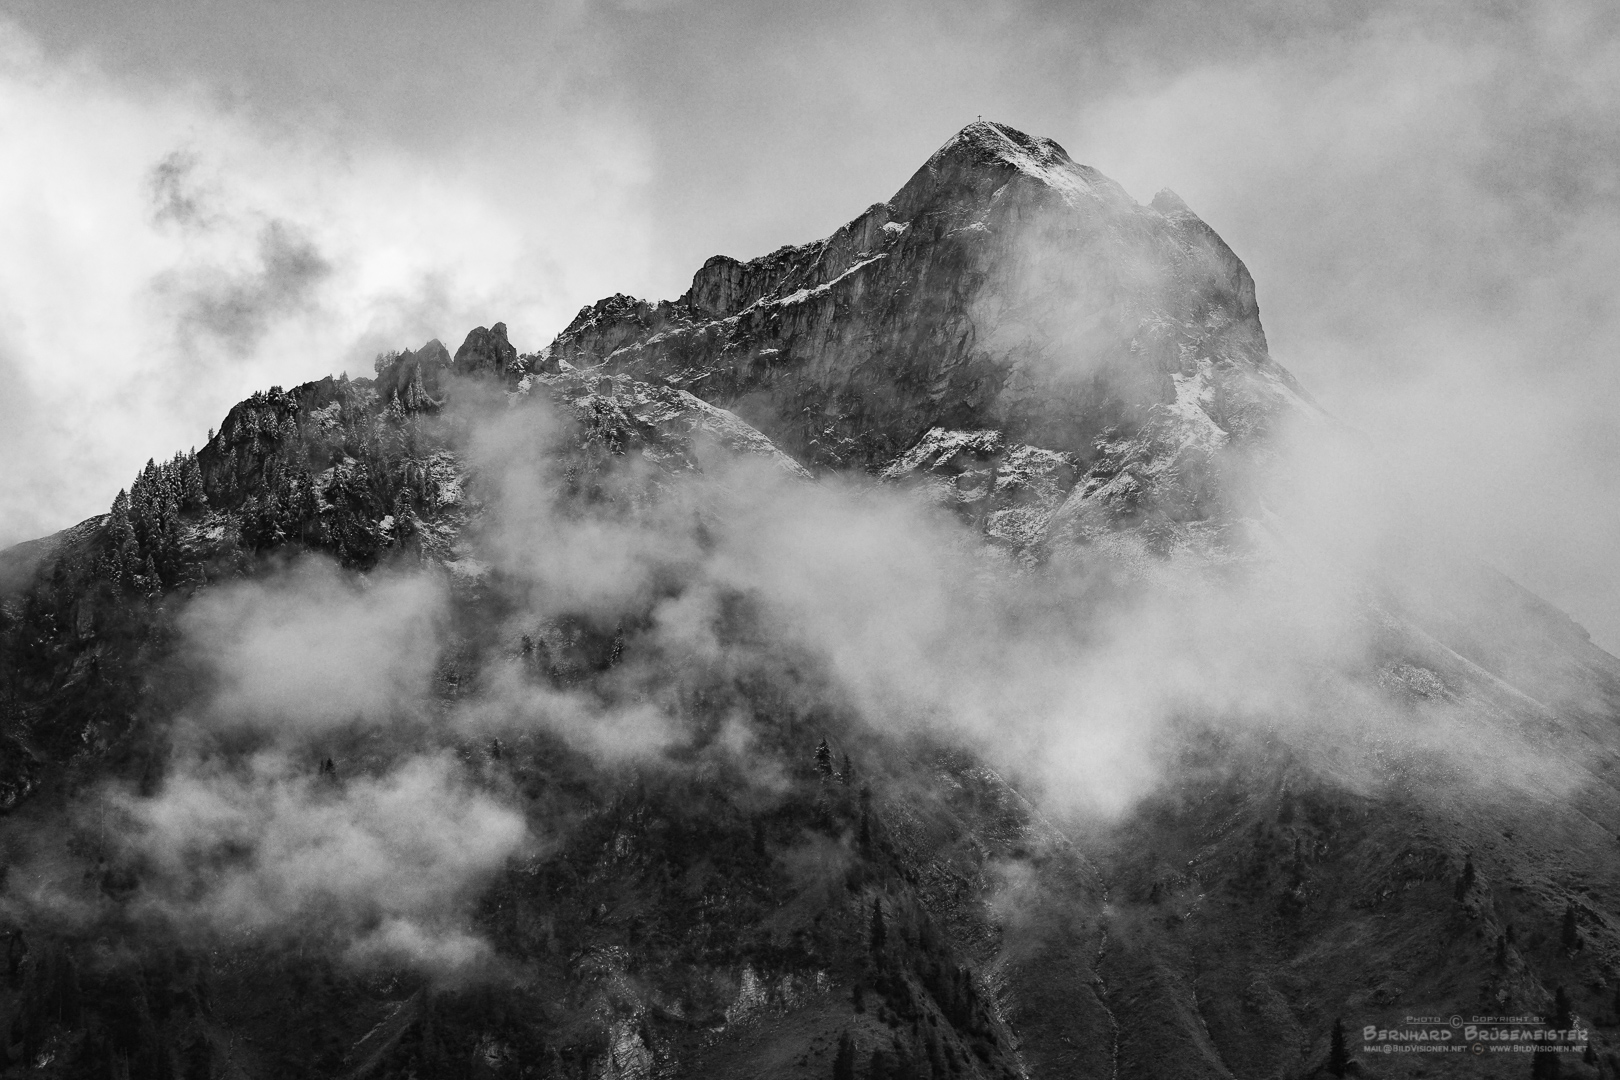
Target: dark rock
<point>487,352</point>
<point>1004,286</point>
<point>430,362</point>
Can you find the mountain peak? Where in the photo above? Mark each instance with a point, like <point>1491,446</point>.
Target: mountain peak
<point>986,154</point>
<point>1004,287</point>
<point>987,140</point>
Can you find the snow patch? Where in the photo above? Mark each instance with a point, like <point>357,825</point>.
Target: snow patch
<point>801,295</point>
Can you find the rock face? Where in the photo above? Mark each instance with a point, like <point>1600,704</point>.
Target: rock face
<point>426,367</point>
<point>738,866</point>
<point>486,352</point>
<point>1004,286</point>
<point>667,426</point>
<point>1011,490</point>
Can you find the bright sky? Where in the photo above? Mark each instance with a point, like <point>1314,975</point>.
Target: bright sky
<point>198,199</point>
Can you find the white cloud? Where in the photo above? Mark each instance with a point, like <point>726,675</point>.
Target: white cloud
<point>1431,220</point>
<point>130,331</point>
<point>387,862</point>
<point>313,650</point>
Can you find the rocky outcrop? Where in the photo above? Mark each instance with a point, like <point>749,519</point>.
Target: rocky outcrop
<point>1003,287</point>
<point>1010,490</point>
<point>422,375</point>
<point>666,426</point>
<point>486,352</point>
<point>427,366</point>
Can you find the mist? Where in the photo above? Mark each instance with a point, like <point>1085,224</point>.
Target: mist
<point>312,650</point>
<point>334,768</point>
<point>182,251</point>
<point>500,714</point>
<point>383,867</point>
<point>1065,673</point>
<point>1423,198</point>
<point>1430,217</point>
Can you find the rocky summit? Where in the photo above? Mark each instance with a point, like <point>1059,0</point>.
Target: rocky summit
<point>917,653</point>
<point>1004,288</point>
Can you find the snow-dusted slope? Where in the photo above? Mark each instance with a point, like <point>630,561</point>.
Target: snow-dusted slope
<point>1003,288</point>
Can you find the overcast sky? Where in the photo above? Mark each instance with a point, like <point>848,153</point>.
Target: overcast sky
<point>198,199</point>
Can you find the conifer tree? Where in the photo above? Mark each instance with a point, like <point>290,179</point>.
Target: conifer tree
<point>416,397</point>
<point>118,526</point>
<point>168,545</point>
<point>1338,1055</point>
<point>110,569</point>
<point>195,497</point>
<point>303,504</point>
<point>270,519</point>
<point>1563,1010</point>
<point>880,932</point>
<point>402,514</point>
<point>123,550</point>
<point>1571,935</point>
<point>1466,881</point>
<point>844,1060</point>
<point>824,760</point>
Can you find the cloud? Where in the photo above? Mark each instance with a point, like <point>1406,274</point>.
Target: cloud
<point>1423,195</point>
<point>1427,212</point>
<point>238,307</point>
<point>184,249</point>
<point>743,608</point>
<point>387,863</point>
<point>849,598</point>
<point>175,195</point>
<point>512,701</point>
<point>598,561</point>
<point>311,650</point>
<point>25,422</point>
<point>376,857</point>
<point>1426,205</point>
<point>1431,224</point>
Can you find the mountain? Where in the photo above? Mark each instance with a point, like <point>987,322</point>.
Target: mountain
<point>1004,288</point>
<point>936,650</point>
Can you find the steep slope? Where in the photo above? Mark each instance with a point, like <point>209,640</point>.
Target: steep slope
<point>1004,287</point>
<point>675,914</point>
<point>515,714</point>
